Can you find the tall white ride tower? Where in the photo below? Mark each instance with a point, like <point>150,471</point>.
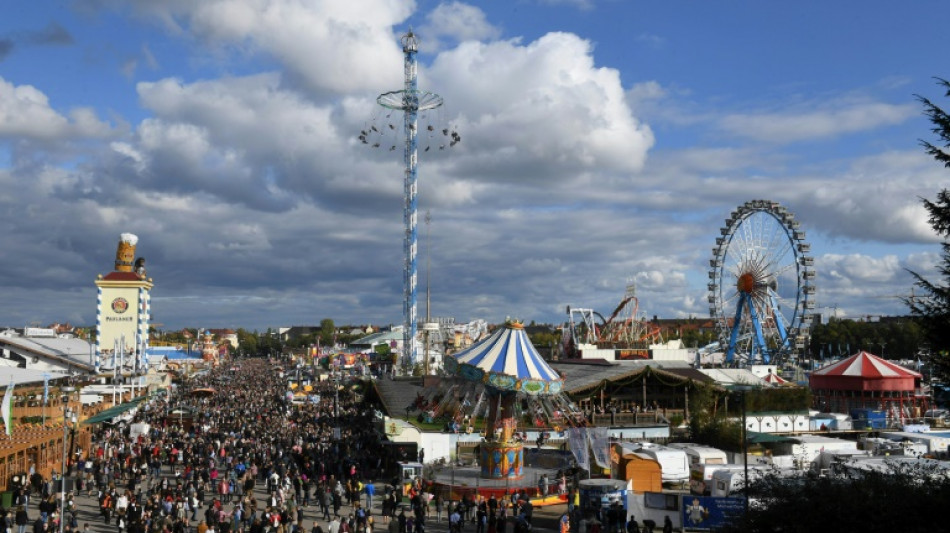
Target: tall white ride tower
<point>410,101</point>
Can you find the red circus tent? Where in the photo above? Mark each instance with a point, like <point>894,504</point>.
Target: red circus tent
<point>864,380</point>
<point>774,379</point>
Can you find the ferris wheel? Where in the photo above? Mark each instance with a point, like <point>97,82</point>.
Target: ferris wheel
<point>761,290</point>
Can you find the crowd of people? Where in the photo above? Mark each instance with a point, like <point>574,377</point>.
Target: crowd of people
<point>230,451</point>
<point>245,460</point>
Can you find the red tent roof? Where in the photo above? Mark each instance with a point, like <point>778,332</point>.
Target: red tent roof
<point>864,371</point>
<point>122,276</point>
<point>775,379</point>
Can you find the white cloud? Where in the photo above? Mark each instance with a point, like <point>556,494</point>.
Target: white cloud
<point>579,4</point>
<point>549,200</point>
<point>457,21</point>
<point>25,112</point>
<point>875,198</point>
<point>542,105</point>
<point>857,269</point>
<point>647,91</point>
<point>926,264</point>
<point>334,47</point>
<point>651,40</point>
<point>794,125</point>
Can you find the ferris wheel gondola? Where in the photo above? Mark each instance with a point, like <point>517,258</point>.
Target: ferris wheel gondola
<point>761,290</point>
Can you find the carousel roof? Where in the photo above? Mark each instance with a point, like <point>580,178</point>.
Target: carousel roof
<point>866,365</point>
<point>507,360</point>
<point>863,371</point>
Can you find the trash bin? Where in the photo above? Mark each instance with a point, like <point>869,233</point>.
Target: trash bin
<point>6,499</point>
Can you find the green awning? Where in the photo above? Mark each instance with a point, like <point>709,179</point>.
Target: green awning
<point>114,411</point>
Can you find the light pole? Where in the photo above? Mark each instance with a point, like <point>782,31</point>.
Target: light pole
<point>743,389</point>
<point>336,400</point>
<point>68,416</point>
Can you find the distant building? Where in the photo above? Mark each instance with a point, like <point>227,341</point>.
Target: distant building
<point>295,332</point>
<point>226,335</point>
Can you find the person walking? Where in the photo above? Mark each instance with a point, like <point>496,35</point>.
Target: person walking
<point>370,491</point>
<point>455,521</point>
<point>21,519</point>
<point>322,499</point>
<point>632,526</point>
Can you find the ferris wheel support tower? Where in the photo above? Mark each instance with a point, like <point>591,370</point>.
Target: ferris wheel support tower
<point>410,100</point>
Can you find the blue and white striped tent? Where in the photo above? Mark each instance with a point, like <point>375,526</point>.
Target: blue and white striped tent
<point>506,361</point>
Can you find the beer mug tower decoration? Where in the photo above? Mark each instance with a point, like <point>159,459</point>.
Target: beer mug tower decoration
<point>123,312</point>
<point>501,380</point>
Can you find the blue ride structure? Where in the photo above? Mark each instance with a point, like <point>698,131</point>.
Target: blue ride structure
<point>761,284</point>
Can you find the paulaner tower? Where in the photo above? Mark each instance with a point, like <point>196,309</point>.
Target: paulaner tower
<point>123,310</point>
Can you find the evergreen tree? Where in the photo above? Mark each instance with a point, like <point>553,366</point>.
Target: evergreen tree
<point>903,497</point>
<point>932,310</point>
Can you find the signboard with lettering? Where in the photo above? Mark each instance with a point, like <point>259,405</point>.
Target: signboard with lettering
<point>708,513</point>
<point>633,353</point>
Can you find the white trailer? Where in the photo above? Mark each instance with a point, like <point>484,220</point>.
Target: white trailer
<point>700,454</point>
<point>804,449</point>
<point>936,442</point>
<point>674,464</point>
<point>701,475</point>
<point>729,482</point>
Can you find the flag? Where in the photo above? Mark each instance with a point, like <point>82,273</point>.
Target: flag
<point>599,445</point>
<point>45,388</point>
<point>577,439</point>
<point>7,408</point>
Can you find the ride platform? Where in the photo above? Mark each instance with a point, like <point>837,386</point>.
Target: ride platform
<point>457,481</point>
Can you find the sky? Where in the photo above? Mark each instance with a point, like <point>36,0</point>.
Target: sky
<point>603,143</point>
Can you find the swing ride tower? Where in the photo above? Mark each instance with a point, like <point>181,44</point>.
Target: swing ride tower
<point>411,101</point>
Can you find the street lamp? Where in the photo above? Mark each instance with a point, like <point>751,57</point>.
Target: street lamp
<point>743,389</point>
<point>336,399</point>
<point>68,416</point>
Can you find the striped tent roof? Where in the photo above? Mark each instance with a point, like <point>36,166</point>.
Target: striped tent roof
<point>864,371</point>
<point>506,361</point>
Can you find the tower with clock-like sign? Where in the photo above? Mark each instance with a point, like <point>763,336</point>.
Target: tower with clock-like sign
<point>123,311</point>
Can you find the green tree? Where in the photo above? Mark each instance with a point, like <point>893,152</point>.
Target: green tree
<point>932,310</point>
<point>247,342</point>
<point>892,339</point>
<point>902,498</point>
<point>327,332</point>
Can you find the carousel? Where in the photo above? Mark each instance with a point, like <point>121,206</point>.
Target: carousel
<point>500,389</point>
